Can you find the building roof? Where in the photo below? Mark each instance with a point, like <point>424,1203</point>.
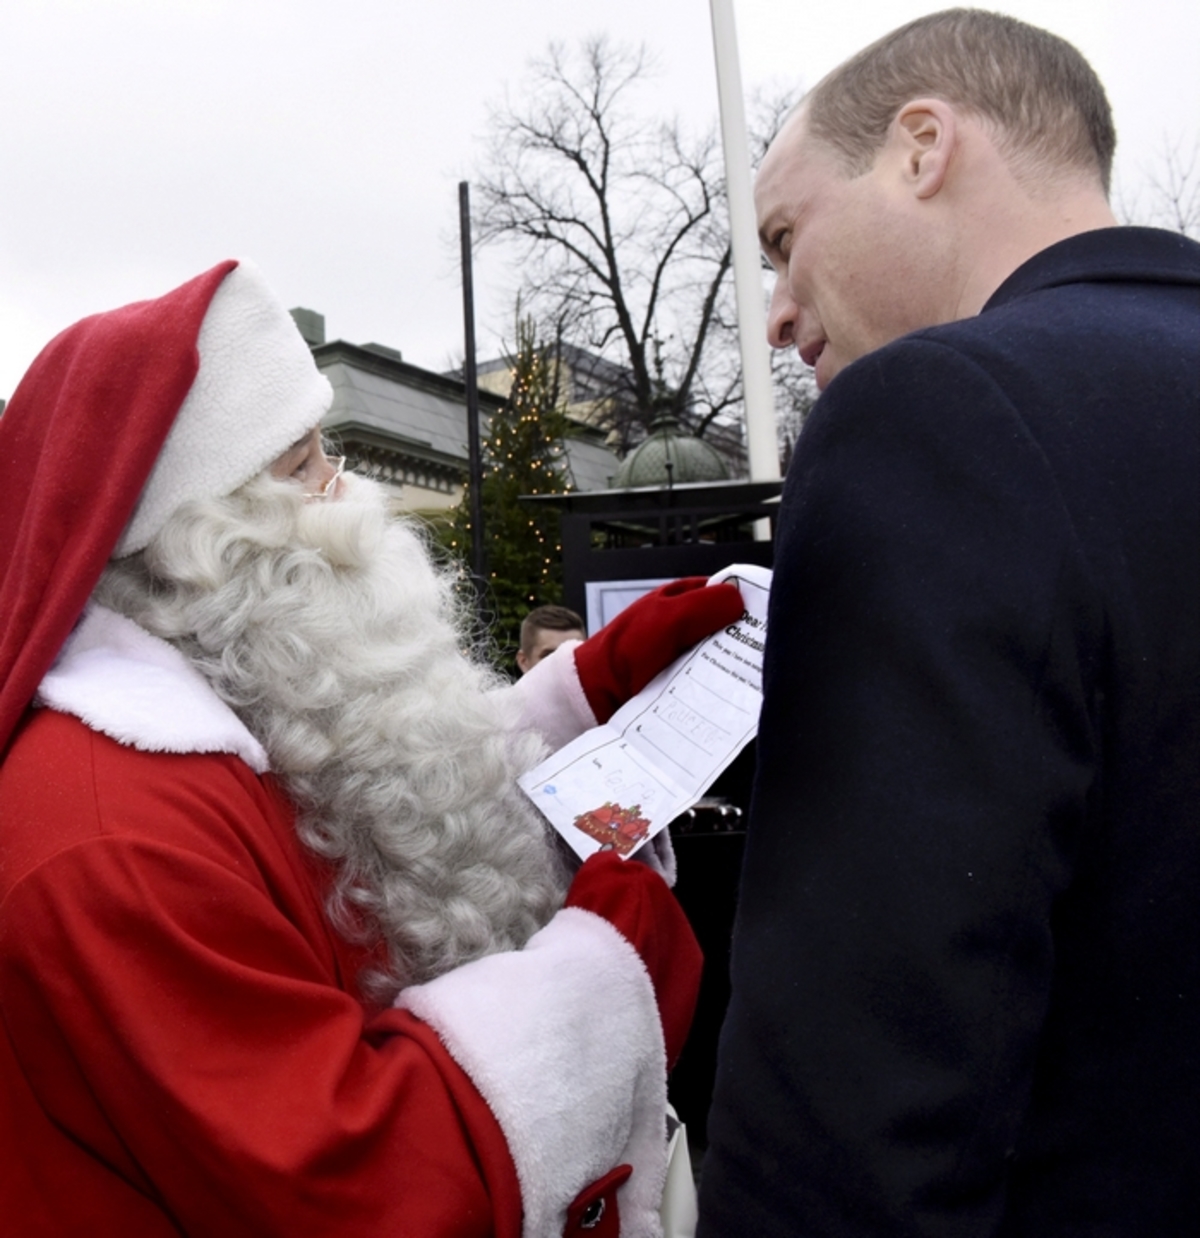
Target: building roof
<point>412,406</point>
<point>590,376</point>
<point>414,421</point>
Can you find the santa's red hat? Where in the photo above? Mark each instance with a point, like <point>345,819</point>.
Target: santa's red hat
<point>119,420</point>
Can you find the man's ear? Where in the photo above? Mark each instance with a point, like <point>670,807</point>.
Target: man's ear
<point>927,133</point>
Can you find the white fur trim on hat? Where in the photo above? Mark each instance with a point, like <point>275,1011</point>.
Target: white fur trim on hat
<point>257,391</point>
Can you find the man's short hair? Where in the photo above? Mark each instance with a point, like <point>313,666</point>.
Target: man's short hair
<point>1045,99</point>
<point>555,618</point>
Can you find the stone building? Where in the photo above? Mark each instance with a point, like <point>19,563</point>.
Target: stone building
<point>407,426</point>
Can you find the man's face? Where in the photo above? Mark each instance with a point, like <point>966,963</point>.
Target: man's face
<point>848,266</point>
<point>546,641</point>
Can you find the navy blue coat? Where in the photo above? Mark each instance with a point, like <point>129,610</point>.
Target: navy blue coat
<point>966,965</point>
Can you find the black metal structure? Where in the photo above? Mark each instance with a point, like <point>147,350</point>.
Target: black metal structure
<point>470,379</point>
<point>660,531</point>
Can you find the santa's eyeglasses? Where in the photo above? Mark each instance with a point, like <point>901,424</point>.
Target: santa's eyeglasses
<point>326,491</point>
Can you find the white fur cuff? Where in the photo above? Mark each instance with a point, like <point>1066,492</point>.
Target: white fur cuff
<point>551,699</point>
<point>563,1041</point>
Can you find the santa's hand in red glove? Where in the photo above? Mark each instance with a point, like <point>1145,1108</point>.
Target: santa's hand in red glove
<point>635,900</point>
<point>612,982</point>
<point>647,636</point>
<point>582,684</point>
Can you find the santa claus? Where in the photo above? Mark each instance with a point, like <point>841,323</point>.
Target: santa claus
<point>283,950</point>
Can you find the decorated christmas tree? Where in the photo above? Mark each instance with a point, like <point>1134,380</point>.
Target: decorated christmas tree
<point>523,454</point>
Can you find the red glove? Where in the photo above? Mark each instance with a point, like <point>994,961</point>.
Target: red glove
<point>636,901</point>
<point>622,658</point>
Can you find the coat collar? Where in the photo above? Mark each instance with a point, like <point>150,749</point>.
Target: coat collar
<point>1108,255</point>
<point>142,692</point>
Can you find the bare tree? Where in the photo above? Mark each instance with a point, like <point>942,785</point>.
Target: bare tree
<point>1177,191</point>
<point>1171,195</point>
<point>621,230</point>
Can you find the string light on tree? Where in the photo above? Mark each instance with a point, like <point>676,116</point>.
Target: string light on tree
<point>523,454</point>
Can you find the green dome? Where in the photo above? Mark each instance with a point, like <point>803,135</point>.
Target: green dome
<point>691,459</point>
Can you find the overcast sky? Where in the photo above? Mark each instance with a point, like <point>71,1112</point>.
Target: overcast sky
<point>145,140</point>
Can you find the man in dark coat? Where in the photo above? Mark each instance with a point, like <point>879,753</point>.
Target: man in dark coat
<point>966,969</point>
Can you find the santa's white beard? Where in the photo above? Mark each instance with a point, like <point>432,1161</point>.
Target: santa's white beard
<point>328,630</point>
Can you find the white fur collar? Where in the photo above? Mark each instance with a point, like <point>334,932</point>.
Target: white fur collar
<point>142,692</point>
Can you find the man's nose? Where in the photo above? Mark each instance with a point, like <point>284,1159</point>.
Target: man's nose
<point>781,316</point>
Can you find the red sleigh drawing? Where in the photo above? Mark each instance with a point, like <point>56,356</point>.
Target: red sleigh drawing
<point>615,828</point>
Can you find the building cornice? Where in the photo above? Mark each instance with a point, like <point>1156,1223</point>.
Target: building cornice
<point>399,371</point>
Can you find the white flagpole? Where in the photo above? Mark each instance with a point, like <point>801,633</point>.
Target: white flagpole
<point>761,446</point>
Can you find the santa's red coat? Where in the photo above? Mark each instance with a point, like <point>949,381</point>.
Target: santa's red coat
<point>184,1050</point>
